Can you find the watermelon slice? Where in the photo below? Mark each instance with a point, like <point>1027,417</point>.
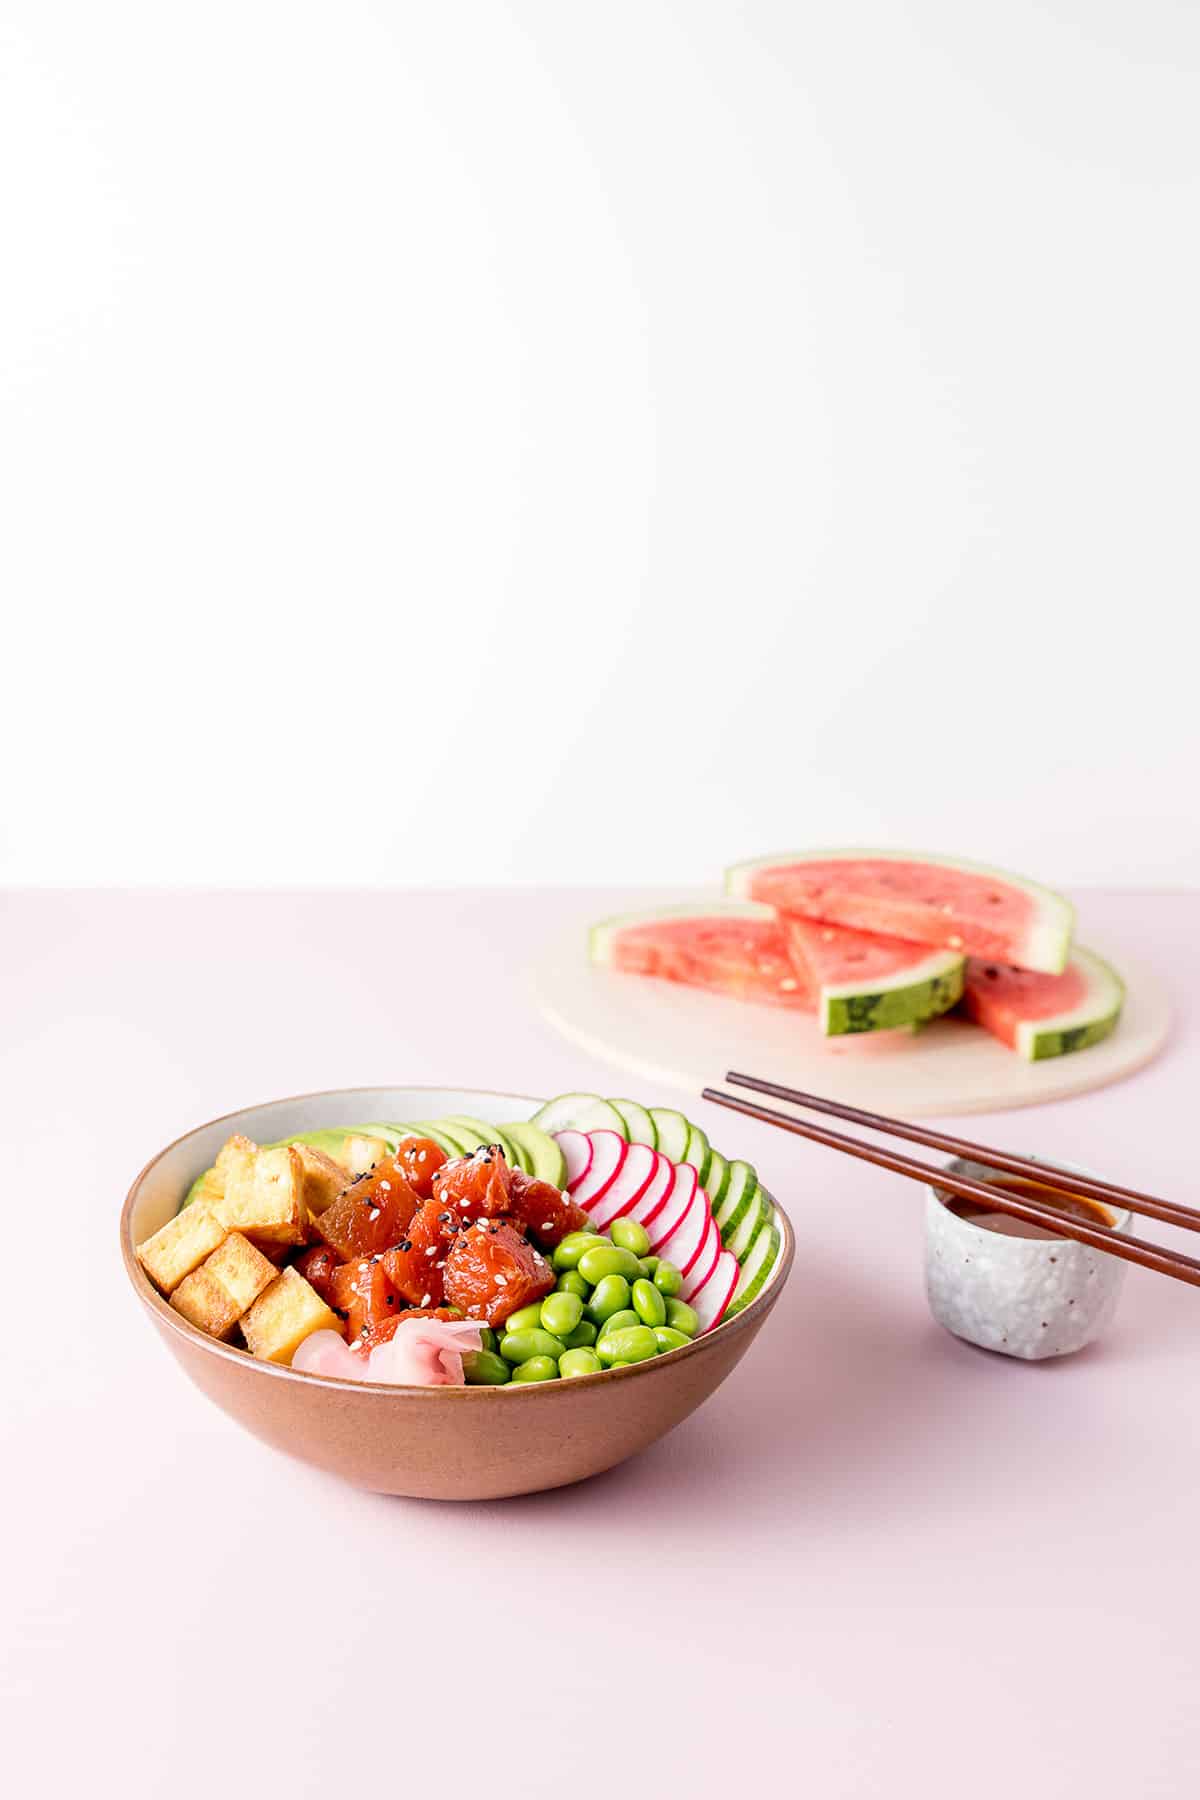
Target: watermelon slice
<point>869,983</point>
<point>926,899</point>
<point>726,948</point>
<point>1045,1015</point>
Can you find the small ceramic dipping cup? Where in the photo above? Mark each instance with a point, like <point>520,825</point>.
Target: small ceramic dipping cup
<point>1024,1296</point>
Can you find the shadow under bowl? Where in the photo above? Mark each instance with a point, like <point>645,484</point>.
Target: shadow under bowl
<point>469,1443</point>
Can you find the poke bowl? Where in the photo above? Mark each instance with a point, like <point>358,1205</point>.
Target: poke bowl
<point>227,1306</point>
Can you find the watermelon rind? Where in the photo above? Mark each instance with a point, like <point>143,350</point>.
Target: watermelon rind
<point>1088,1023</point>
<point>1045,945</point>
<point>909,997</point>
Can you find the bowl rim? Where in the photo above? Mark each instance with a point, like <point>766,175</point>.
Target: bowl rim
<point>166,1314</point>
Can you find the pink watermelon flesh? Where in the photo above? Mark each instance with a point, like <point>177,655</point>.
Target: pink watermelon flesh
<point>1045,1015</point>
<point>828,955</point>
<point>746,958</point>
<point>952,907</point>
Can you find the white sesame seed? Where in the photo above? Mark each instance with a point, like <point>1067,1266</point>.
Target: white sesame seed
<point>374,1213</point>
<point>502,1281</point>
<point>385,1187</point>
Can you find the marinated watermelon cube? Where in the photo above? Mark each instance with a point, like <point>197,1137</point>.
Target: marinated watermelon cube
<point>492,1271</point>
<point>371,1215</point>
<point>416,1266</point>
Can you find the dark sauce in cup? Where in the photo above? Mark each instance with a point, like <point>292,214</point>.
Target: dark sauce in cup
<point>1072,1206</point>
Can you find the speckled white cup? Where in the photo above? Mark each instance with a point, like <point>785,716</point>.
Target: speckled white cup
<point>1027,1297</point>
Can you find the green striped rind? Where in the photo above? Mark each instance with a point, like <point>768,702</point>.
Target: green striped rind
<point>909,998</point>
<point>1088,1023</point>
<point>1045,945</point>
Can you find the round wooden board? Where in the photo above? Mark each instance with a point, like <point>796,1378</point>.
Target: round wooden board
<point>687,1039</point>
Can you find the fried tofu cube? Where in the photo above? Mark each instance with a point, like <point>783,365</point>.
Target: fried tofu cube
<point>323,1179</point>
<point>181,1246</point>
<point>214,1296</point>
<point>264,1195</point>
<point>284,1315</point>
<point>360,1153</point>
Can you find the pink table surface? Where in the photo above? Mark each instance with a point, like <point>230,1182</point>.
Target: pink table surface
<point>878,1562</point>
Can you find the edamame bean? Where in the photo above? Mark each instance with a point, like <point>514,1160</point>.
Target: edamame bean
<point>630,1234</point>
<point>667,1279</point>
<point>681,1316</point>
<point>572,1282</point>
<point>649,1264</point>
<point>579,1362</point>
<point>637,1343</point>
<point>608,1259</point>
<point>538,1368</point>
<point>561,1313</point>
<point>483,1368</point>
<point>521,1346</point>
<point>669,1338</point>
<point>583,1336</point>
<point>610,1295</point>
<point>649,1304</point>
<point>618,1321</point>
<point>526,1318</point>
<point>487,1338</point>
<point>567,1254</point>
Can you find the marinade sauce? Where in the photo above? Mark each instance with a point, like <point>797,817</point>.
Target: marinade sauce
<point>1073,1206</point>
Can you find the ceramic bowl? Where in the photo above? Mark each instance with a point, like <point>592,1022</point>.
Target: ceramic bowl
<point>471,1443</point>
<point>1027,1297</point>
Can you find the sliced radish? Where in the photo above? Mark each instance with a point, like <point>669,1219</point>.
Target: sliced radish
<point>608,1153</point>
<point>576,1147</point>
<point>685,1243</point>
<point>705,1262</point>
<point>656,1195</point>
<point>635,1175</point>
<point>709,1302</point>
<point>676,1206</point>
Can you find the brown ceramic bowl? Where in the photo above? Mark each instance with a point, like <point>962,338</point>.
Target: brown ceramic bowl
<point>472,1443</point>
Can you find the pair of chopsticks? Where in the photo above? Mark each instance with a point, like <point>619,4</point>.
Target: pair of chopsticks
<point>998,1198</point>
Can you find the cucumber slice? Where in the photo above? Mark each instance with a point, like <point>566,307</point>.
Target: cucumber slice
<point>580,1112</point>
<point>756,1270</point>
<point>758,1215</point>
<point>699,1154</point>
<point>673,1131</point>
<point>718,1180</point>
<point>740,1183</point>
<point>639,1126</point>
<point>541,1156</point>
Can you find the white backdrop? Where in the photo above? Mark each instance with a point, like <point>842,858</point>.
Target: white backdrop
<point>559,442</point>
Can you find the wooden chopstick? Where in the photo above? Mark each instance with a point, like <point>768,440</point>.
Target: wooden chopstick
<point>998,1199</point>
<point>1060,1181</point>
